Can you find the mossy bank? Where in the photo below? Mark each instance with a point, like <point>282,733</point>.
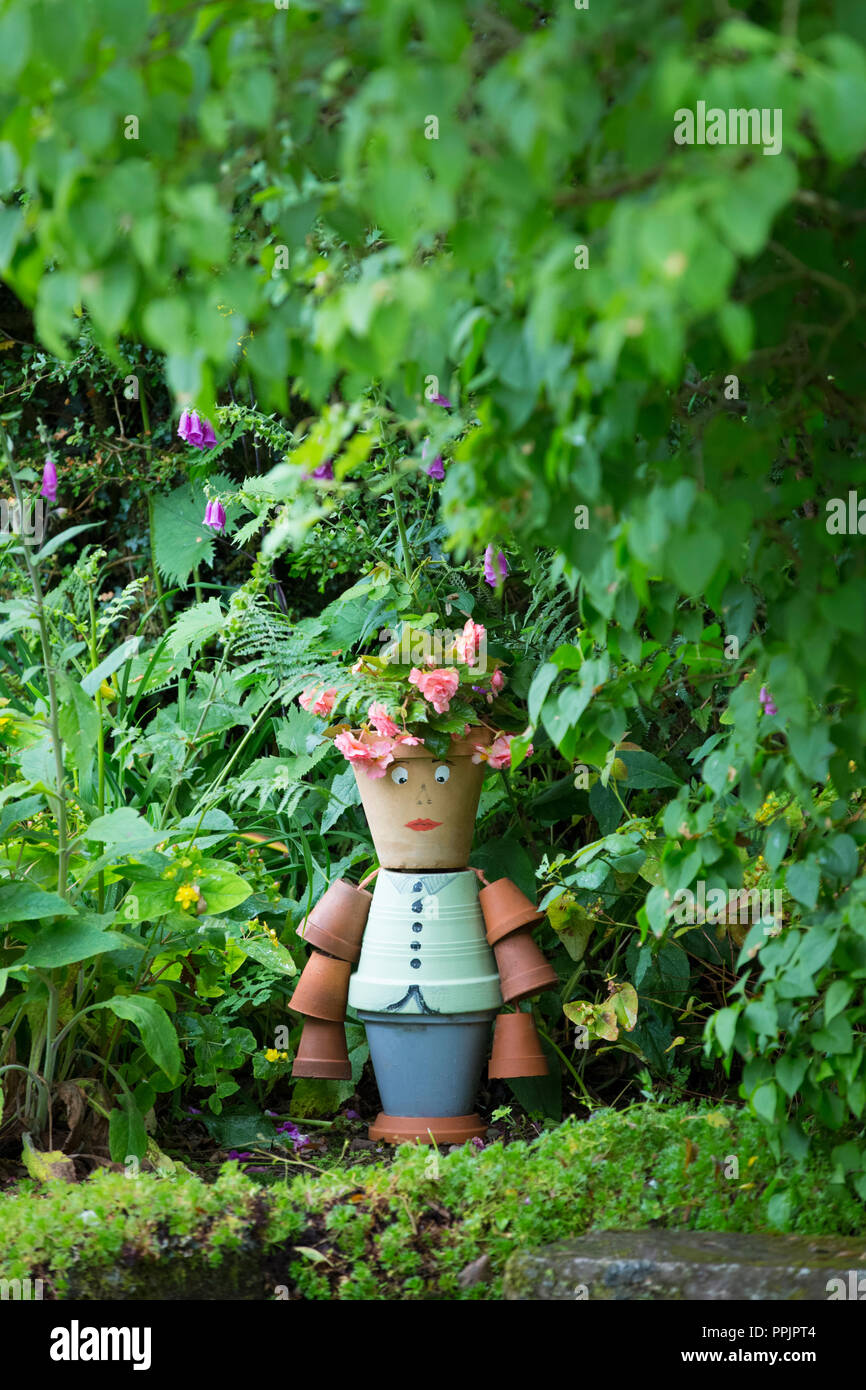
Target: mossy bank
<point>411,1227</point>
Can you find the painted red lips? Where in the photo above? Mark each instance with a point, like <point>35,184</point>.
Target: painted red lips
<point>422,824</point>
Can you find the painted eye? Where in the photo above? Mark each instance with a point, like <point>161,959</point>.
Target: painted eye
<point>442,773</point>
<point>399,775</point>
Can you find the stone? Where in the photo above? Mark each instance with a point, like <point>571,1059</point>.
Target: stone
<point>670,1265</point>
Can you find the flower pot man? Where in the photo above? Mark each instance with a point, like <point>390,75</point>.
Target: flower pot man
<point>434,958</point>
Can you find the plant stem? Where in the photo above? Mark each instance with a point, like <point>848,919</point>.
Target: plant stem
<point>100,736</point>
<point>148,439</point>
<point>401,524</point>
<point>53,705</point>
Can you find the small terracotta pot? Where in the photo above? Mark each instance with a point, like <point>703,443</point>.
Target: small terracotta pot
<point>418,822</point>
<point>505,909</point>
<point>522,968</point>
<point>516,1048</point>
<point>322,1051</point>
<point>336,924</point>
<point>323,989</point>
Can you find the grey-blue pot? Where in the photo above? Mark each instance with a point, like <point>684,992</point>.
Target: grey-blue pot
<point>428,1065</point>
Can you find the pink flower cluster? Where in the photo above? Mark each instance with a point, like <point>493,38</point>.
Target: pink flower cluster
<point>498,755</point>
<point>315,700</point>
<point>438,687</point>
<point>375,754</point>
<point>467,644</point>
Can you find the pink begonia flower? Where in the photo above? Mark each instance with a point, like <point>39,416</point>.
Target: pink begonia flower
<point>374,755</point>
<point>498,755</point>
<point>49,480</point>
<point>495,568</point>
<point>409,739</point>
<point>466,645</point>
<point>381,720</point>
<point>352,748</point>
<point>317,701</point>
<point>767,701</point>
<point>437,687</point>
<point>381,756</point>
<point>497,681</point>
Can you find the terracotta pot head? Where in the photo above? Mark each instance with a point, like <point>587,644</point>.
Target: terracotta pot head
<point>422,811</point>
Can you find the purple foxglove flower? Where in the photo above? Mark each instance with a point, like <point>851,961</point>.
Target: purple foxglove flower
<point>215,516</point>
<point>495,568</point>
<point>196,431</point>
<point>767,701</point>
<point>325,470</point>
<point>49,480</point>
<point>439,399</point>
<point>436,469</point>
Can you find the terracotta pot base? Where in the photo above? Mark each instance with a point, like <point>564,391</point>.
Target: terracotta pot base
<point>424,1129</point>
<point>322,1051</point>
<point>516,1048</point>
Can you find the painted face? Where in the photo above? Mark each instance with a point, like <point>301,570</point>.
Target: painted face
<point>422,811</point>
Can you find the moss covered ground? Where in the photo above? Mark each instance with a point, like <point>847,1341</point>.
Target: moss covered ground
<point>420,1224</point>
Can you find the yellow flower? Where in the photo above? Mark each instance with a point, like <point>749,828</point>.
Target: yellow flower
<point>272,1055</point>
<point>186,894</point>
<point>107,692</point>
<point>284,1056</point>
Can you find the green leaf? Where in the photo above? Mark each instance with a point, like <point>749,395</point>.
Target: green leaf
<point>802,882</point>
<point>113,662</point>
<point>24,902</point>
<point>60,539</point>
<point>837,998</point>
<point>646,772</point>
<point>195,626</point>
<point>127,1136</point>
<point>268,953</point>
<point>790,1072</point>
<point>724,1023</point>
<point>124,827</point>
<point>156,1028</point>
<point>776,843</point>
<point>65,943</point>
<point>692,560</point>
<point>765,1101</point>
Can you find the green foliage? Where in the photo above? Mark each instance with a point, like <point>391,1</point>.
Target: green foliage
<point>660,443</point>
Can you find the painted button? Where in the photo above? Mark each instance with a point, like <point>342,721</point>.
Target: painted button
<point>415,964</point>
<point>416,946</point>
<point>416,926</point>
<point>418,906</point>
<point>417,887</point>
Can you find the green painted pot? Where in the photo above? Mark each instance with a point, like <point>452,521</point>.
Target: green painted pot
<point>425,950</point>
